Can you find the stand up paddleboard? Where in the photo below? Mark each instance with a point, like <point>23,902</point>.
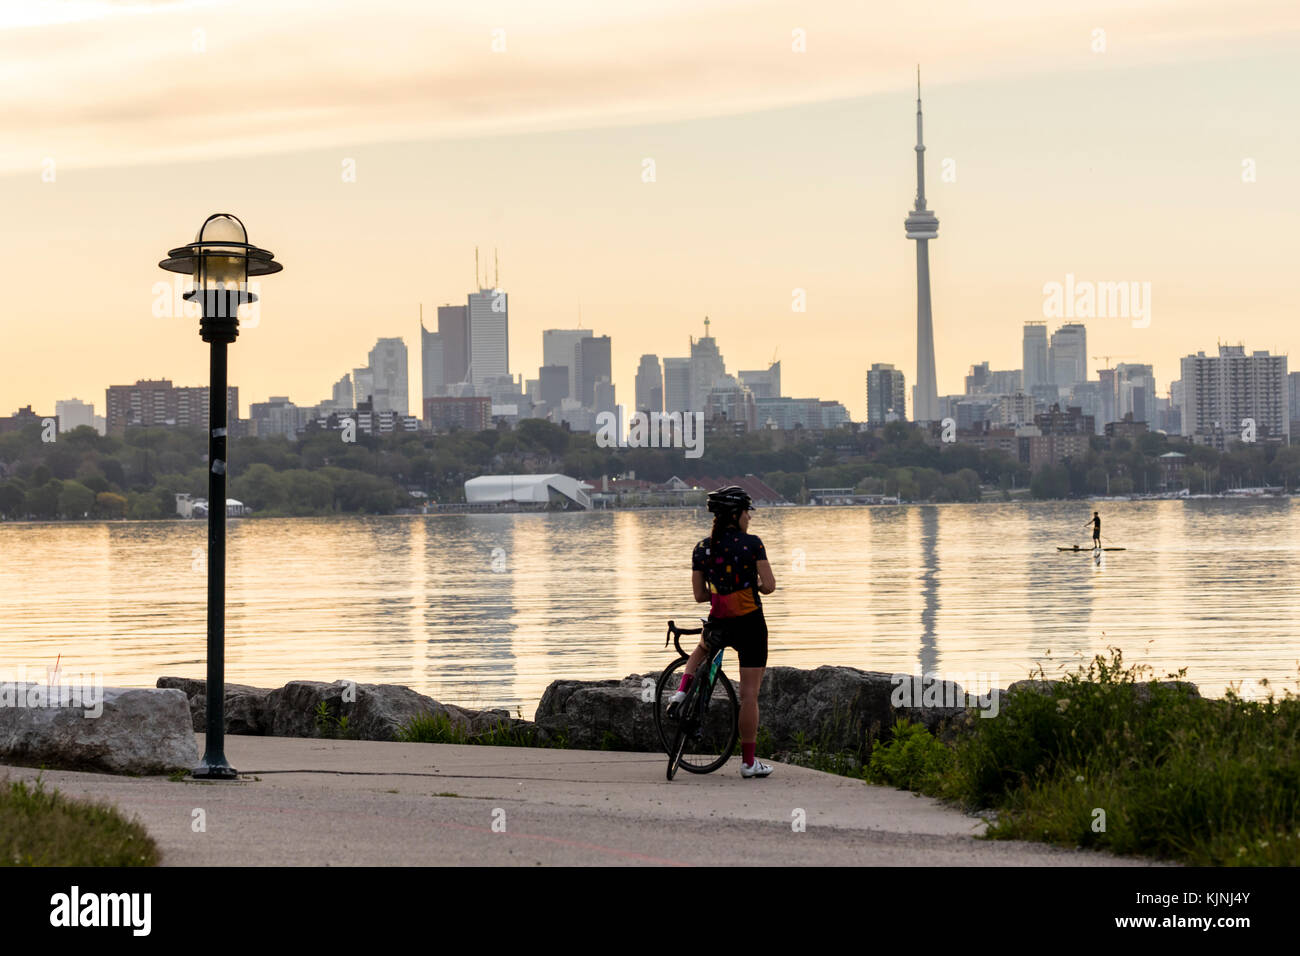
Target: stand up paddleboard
<point>1090,550</point>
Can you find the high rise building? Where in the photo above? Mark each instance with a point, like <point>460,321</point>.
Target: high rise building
<point>73,413</point>
<point>1293,397</point>
<point>591,359</point>
<point>1034,356</point>
<point>431,364</point>
<point>553,384</point>
<point>886,395</point>
<point>388,368</point>
<point>733,404</point>
<point>922,226</point>
<point>707,368</point>
<point>489,336</point>
<point>1135,393</point>
<point>453,335</point>
<point>1220,392</point>
<point>1068,355</point>
<point>764,383</point>
<point>677,385</point>
<point>363,386</point>
<point>558,347</point>
<point>158,402</point>
<point>650,385</point>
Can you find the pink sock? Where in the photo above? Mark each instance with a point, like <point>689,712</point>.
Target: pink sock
<point>747,753</point>
<point>686,682</point>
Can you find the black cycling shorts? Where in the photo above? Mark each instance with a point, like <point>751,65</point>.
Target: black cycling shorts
<point>747,634</point>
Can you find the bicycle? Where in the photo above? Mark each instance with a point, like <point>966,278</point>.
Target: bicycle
<point>703,736</point>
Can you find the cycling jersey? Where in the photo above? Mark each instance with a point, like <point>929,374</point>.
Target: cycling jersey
<point>730,568</point>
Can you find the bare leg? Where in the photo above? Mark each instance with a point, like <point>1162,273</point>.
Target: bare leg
<point>750,680</point>
<point>697,657</point>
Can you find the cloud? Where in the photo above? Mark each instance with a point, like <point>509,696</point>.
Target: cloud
<point>98,83</point>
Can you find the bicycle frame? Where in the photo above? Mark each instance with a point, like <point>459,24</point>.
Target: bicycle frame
<point>711,666</point>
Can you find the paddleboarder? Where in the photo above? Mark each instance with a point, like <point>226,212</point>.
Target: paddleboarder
<point>1096,530</point>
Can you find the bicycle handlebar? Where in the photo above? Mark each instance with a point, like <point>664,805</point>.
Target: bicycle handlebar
<point>674,632</point>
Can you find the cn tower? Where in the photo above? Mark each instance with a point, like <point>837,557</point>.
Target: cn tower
<point>923,225</point>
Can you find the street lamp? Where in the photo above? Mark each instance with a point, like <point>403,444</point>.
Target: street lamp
<point>221,260</point>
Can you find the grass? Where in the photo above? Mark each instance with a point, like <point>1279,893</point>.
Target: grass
<point>1108,758</point>
<point>40,827</point>
<point>432,728</point>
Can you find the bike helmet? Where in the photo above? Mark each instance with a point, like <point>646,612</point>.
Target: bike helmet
<point>730,500</point>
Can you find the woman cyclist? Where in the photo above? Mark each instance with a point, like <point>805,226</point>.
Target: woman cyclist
<point>729,569</point>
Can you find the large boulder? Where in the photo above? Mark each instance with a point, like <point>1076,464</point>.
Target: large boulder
<point>244,711</point>
<point>127,730</point>
<point>378,712</point>
<point>832,708</point>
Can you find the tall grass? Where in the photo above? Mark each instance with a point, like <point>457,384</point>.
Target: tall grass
<point>429,728</point>
<point>1109,758</point>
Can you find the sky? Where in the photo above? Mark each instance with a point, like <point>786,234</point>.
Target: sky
<point>1137,142</point>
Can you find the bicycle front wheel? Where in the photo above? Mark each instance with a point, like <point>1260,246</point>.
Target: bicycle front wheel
<point>709,741</point>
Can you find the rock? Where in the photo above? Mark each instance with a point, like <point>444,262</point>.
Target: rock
<point>834,708</point>
<point>137,730</point>
<point>600,715</point>
<point>378,713</point>
<point>245,707</point>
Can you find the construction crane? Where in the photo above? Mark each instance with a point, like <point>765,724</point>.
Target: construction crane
<point>1107,358</point>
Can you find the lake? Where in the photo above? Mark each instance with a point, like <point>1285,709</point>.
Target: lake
<point>486,610</point>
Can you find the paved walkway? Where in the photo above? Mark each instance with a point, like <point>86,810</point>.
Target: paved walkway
<point>369,803</point>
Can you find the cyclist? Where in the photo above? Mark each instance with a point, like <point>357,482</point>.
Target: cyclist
<point>729,569</point>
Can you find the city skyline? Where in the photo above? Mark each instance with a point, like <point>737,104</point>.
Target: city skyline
<point>740,215</point>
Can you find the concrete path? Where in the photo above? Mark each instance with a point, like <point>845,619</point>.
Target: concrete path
<point>369,803</point>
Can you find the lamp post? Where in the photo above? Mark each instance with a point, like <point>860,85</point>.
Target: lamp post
<point>221,260</point>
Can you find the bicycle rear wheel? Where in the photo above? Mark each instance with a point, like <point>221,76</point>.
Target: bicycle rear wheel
<point>709,743</point>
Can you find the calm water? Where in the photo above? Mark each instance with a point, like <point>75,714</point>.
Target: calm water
<point>1213,586</point>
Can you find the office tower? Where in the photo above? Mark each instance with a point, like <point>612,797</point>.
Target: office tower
<point>591,362</point>
<point>922,226</point>
<point>649,385</point>
<point>677,385</point>
<point>707,368</point>
<point>341,395</point>
<point>734,404</point>
<point>1107,396</point>
<point>1220,392</point>
<point>453,333</point>
<point>558,349</point>
<point>388,368</point>
<point>1135,393</point>
<point>73,413</point>
<point>489,336</point>
<point>553,384</point>
<point>275,416</point>
<point>764,383</point>
<point>978,379</point>
<point>603,399</point>
<point>432,361</point>
<point>886,394</point>
<point>363,386</point>
<point>1068,355</point>
<point>1034,356</point>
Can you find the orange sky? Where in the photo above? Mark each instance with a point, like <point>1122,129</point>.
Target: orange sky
<point>775,170</point>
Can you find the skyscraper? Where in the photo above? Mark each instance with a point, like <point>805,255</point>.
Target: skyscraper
<point>592,364</point>
<point>1034,356</point>
<point>922,226</point>
<point>677,385</point>
<point>1068,355</point>
<point>453,331</point>
<point>764,383</point>
<point>707,368</point>
<point>553,384</point>
<point>649,385</point>
<point>363,386</point>
<point>388,366</point>
<point>489,336</point>
<point>431,364</point>
<point>558,349</point>
<point>886,394</point>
